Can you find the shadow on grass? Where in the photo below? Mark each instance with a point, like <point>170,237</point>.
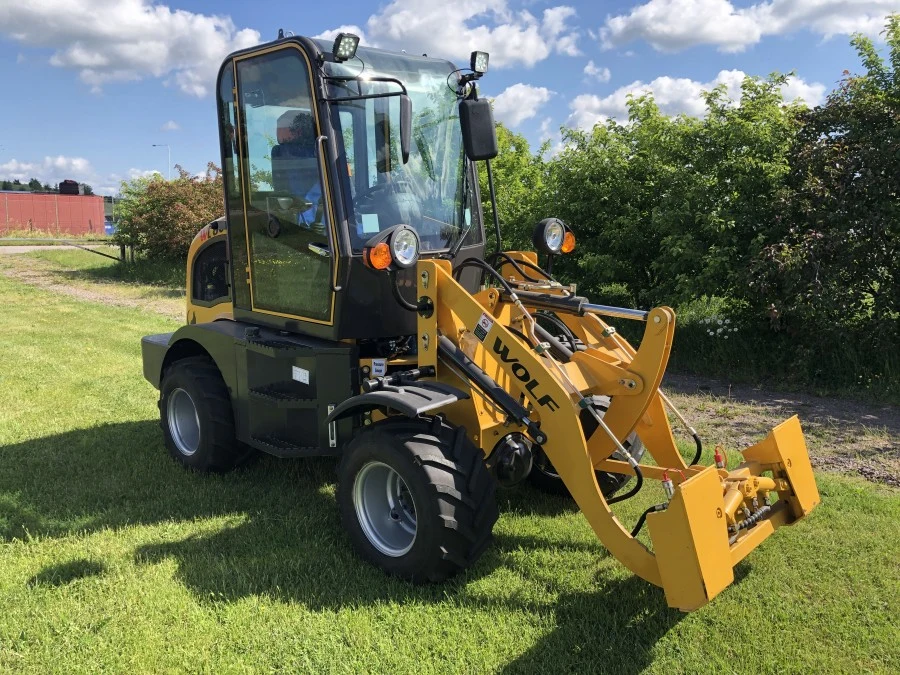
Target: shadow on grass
<point>67,572</point>
<point>286,542</point>
<point>166,281</point>
<point>120,474</point>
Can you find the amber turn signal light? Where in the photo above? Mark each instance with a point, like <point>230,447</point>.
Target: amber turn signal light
<point>568,244</point>
<point>378,257</point>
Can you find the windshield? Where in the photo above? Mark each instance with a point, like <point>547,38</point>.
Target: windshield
<point>431,192</point>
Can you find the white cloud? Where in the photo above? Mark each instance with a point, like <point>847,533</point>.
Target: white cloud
<point>171,125</point>
<point>671,25</point>
<point>51,170</point>
<point>453,30</point>
<point>142,173</point>
<point>810,93</point>
<point>127,40</point>
<point>676,96</point>
<point>520,102</point>
<point>598,73</point>
<point>333,33</point>
<point>21,58</point>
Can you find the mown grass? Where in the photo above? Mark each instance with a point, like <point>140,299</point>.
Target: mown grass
<point>169,273</point>
<point>115,559</point>
<point>157,287</point>
<point>37,237</point>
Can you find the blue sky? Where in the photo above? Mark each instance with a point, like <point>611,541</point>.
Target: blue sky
<point>91,85</point>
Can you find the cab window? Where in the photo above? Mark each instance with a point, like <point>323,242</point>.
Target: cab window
<point>286,208</point>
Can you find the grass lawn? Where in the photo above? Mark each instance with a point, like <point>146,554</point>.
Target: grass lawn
<point>112,558</point>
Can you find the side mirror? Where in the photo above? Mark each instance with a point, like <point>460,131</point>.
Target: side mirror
<point>479,135</point>
<point>405,126</point>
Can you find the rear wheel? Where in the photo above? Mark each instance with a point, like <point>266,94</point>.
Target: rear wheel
<point>543,475</point>
<point>196,417</point>
<point>416,498</point>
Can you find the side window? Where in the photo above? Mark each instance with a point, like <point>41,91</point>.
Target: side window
<point>349,149</point>
<point>234,194</point>
<point>285,201</point>
<point>210,283</point>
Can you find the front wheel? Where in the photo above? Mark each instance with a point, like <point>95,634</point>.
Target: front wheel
<point>196,417</point>
<point>416,498</point>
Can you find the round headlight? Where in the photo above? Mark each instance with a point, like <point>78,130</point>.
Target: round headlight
<point>405,247</point>
<point>549,235</point>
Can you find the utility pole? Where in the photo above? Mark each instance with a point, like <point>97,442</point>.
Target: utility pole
<point>169,149</point>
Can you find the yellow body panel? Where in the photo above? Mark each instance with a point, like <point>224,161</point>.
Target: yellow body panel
<point>197,312</point>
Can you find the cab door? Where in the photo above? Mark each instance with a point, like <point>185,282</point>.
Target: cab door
<point>287,210</point>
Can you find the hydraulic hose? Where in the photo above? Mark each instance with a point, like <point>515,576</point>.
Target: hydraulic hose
<point>519,264</point>
<point>515,265</point>
<point>640,522</point>
<point>566,331</point>
<point>403,302</point>
<point>638,484</point>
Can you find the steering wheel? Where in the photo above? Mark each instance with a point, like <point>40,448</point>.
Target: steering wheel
<point>379,188</point>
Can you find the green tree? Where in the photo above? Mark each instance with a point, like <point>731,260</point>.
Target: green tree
<point>34,185</point>
<point>519,184</point>
<point>675,207</point>
<point>88,190</point>
<point>835,265</point>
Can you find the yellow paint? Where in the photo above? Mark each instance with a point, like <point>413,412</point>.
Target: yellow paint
<point>195,313</point>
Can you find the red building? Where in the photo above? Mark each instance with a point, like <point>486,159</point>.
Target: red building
<point>51,213</point>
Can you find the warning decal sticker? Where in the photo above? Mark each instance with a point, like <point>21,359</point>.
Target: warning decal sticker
<point>485,323</point>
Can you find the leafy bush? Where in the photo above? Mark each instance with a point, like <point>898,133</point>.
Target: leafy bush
<point>159,218</point>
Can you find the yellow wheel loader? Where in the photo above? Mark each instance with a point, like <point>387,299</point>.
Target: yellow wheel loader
<point>345,306</point>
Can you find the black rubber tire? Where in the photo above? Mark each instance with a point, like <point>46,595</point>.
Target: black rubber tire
<point>218,450</point>
<point>544,478</point>
<point>452,491</point>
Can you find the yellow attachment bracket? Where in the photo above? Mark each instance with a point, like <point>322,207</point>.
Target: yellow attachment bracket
<point>784,453</point>
<point>690,539</point>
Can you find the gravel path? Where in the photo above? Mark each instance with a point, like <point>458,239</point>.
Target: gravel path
<point>842,434</point>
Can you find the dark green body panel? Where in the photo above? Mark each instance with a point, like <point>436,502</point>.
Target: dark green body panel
<point>281,384</point>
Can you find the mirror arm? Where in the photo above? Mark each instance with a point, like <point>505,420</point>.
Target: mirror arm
<point>320,146</point>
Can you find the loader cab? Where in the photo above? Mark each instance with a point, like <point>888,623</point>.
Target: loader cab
<point>313,169</point>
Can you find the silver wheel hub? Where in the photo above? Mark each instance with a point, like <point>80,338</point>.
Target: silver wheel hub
<point>184,423</point>
<point>385,509</point>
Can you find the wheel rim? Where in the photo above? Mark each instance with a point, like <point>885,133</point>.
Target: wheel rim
<point>385,509</point>
<point>184,423</point>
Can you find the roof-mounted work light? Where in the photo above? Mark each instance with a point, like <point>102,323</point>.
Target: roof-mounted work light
<point>345,45</point>
<point>478,62</point>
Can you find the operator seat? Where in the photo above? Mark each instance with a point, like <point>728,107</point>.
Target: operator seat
<point>295,167</point>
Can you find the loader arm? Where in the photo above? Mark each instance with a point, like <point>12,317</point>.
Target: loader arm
<point>696,538</point>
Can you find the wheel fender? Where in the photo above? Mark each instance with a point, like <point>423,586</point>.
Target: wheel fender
<point>412,400</point>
